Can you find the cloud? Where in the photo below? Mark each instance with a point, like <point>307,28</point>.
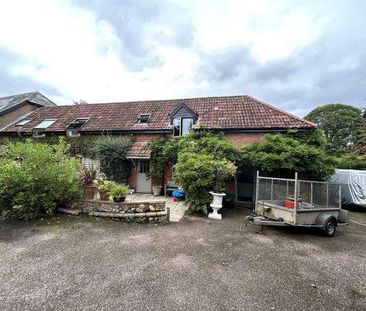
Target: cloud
<point>11,83</point>
<point>294,55</point>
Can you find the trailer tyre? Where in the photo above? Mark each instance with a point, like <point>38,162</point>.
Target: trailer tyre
<point>330,227</point>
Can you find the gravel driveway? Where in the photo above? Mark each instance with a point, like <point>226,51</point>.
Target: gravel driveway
<point>69,263</point>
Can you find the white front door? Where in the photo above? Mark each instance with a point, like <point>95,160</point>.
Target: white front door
<point>143,183</point>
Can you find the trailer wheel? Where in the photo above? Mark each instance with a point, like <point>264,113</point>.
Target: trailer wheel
<point>330,227</point>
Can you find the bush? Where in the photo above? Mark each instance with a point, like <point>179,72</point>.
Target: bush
<point>199,174</point>
<point>119,190</point>
<point>352,161</point>
<point>280,152</point>
<point>35,178</point>
<point>112,152</point>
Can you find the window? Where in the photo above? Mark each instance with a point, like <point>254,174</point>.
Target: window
<point>77,123</point>
<point>45,124</point>
<point>144,167</point>
<point>143,118</point>
<point>22,122</point>
<point>186,125</point>
<point>182,126</point>
<point>176,127</point>
<point>72,133</point>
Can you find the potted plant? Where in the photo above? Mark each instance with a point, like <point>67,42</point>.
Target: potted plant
<point>119,192</point>
<point>222,172</point>
<point>104,187</point>
<point>86,176</point>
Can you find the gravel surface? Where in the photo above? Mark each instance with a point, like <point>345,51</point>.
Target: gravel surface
<point>79,263</point>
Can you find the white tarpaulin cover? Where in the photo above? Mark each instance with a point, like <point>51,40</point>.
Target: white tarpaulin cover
<point>353,184</point>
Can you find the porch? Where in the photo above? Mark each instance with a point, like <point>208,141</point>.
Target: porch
<point>176,209</point>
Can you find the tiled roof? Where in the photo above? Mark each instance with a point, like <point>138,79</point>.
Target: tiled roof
<point>228,112</point>
<point>138,150</point>
<point>37,98</point>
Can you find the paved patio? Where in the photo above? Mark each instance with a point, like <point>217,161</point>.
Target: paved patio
<point>177,209</point>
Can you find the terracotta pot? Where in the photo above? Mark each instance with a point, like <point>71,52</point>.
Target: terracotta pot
<point>104,196</point>
<point>89,192</point>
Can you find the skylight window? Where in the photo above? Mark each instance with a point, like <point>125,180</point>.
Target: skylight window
<point>143,118</point>
<point>23,122</point>
<point>78,123</point>
<point>45,124</point>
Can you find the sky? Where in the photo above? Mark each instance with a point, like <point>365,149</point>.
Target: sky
<point>293,54</point>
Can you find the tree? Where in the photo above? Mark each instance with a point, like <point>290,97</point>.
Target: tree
<point>80,102</point>
<point>204,161</point>
<point>280,152</point>
<point>342,125</point>
<point>200,173</point>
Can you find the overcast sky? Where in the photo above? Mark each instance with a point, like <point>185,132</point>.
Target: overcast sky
<point>293,54</point>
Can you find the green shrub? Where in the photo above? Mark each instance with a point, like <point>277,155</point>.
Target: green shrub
<point>111,152</point>
<point>103,185</point>
<point>35,178</point>
<point>352,161</point>
<point>119,190</point>
<point>199,174</point>
<point>280,152</point>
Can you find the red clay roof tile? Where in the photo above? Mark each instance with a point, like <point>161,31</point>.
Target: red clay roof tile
<point>227,112</point>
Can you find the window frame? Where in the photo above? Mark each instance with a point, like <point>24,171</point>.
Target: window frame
<point>38,127</point>
<point>144,118</point>
<point>21,122</point>
<point>181,125</point>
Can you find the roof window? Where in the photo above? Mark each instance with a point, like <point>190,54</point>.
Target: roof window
<point>78,123</point>
<point>45,124</point>
<point>22,122</point>
<point>143,118</point>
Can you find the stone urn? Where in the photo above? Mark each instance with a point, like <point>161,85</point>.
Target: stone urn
<point>157,190</point>
<point>216,205</point>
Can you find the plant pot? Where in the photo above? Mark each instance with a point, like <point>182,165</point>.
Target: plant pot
<point>104,195</point>
<point>89,192</point>
<point>157,190</point>
<point>120,198</point>
<point>289,203</point>
<point>216,205</point>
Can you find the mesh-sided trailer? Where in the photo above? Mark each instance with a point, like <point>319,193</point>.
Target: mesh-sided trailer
<point>294,202</point>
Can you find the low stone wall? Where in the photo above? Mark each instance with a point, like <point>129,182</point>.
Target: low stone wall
<point>129,211</point>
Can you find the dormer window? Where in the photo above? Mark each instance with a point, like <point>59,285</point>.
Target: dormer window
<point>182,119</point>
<point>143,118</point>
<point>22,122</point>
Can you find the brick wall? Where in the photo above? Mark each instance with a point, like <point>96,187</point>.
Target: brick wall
<point>146,137</point>
<point>242,139</point>
<point>15,114</point>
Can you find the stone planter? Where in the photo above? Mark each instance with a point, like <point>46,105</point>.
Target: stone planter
<point>89,192</point>
<point>216,205</point>
<point>157,190</point>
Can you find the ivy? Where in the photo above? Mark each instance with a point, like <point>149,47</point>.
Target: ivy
<point>112,152</point>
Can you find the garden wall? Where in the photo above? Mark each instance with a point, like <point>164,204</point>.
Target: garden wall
<point>129,211</point>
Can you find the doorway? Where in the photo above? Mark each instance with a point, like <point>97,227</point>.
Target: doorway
<point>245,184</point>
<point>143,184</point>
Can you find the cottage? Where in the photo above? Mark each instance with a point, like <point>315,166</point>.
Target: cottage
<point>244,119</point>
<point>16,107</point>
